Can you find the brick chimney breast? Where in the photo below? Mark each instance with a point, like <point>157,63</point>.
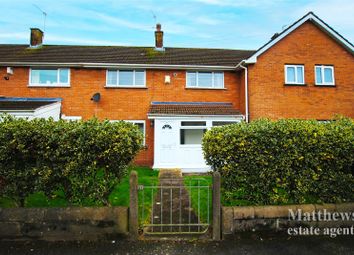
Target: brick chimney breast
<point>36,37</point>
<point>158,38</point>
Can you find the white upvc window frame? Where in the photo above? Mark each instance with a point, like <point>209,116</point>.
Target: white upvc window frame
<point>296,78</point>
<point>324,83</point>
<point>230,122</point>
<point>125,85</point>
<point>196,127</point>
<point>135,122</point>
<point>57,84</point>
<point>197,86</point>
<point>139,122</point>
<point>71,118</point>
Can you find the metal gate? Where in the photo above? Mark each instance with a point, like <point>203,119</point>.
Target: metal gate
<point>175,206</point>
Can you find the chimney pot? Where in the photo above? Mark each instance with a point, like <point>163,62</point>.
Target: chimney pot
<point>36,37</point>
<point>158,27</point>
<point>158,37</point>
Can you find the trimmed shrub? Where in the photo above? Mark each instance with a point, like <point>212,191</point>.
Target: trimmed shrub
<point>283,162</point>
<point>84,158</point>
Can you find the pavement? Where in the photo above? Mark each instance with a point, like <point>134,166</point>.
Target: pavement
<point>252,245</point>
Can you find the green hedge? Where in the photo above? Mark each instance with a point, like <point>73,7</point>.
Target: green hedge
<point>283,162</point>
<point>85,159</point>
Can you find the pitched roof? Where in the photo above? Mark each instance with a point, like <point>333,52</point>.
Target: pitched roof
<point>65,54</point>
<point>192,108</point>
<point>308,17</point>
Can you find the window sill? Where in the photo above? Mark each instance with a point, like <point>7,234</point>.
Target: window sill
<point>125,87</point>
<point>206,88</point>
<point>325,85</point>
<point>294,84</point>
<point>48,86</point>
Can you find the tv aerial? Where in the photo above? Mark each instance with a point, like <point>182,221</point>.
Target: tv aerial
<point>44,15</point>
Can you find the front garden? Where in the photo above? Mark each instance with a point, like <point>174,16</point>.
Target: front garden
<point>57,164</point>
<point>119,196</point>
<point>283,162</point>
<point>60,163</point>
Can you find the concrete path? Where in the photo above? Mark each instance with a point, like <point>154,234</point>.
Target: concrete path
<point>172,205</point>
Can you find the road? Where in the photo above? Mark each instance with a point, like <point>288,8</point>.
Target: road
<point>251,245</point>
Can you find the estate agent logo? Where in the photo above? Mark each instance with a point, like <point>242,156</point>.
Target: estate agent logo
<point>325,216</point>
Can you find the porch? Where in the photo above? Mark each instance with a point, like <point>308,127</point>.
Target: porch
<point>179,128</point>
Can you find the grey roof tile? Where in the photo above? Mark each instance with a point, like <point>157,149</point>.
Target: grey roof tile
<point>121,55</point>
<point>192,108</point>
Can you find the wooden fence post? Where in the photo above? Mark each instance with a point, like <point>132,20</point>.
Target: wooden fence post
<point>133,205</point>
<point>216,207</point>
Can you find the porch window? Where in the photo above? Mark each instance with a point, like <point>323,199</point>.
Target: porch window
<point>49,77</point>
<point>223,123</point>
<point>125,78</point>
<point>205,80</point>
<point>191,132</point>
<point>193,123</point>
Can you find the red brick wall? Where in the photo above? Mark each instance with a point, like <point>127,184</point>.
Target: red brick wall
<point>306,45</point>
<point>123,103</point>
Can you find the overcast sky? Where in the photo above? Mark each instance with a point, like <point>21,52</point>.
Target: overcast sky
<point>234,24</point>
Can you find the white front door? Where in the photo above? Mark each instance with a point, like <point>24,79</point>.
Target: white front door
<point>165,144</point>
<point>178,142</point>
<point>168,146</point>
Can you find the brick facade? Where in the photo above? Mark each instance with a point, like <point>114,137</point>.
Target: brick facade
<point>121,103</point>
<point>307,45</point>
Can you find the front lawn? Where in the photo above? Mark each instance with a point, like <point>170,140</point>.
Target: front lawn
<point>200,191</point>
<point>118,197</point>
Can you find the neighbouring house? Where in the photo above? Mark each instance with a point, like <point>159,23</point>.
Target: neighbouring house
<point>175,94</point>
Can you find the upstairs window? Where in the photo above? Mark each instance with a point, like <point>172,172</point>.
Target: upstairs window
<point>205,80</point>
<point>125,78</point>
<point>294,74</point>
<point>50,76</point>
<point>324,75</point>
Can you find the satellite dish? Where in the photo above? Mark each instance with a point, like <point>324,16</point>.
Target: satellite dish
<point>96,97</point>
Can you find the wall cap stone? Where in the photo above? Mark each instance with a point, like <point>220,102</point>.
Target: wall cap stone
<point>282,211</point>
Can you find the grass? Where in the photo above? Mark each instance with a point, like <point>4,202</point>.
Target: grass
<point>6,202</point>
<point>120,194</point>
<point>38,199</point>
<point>118,197</point>
<point>191,182</point>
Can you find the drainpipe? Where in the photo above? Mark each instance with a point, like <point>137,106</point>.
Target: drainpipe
<point>246,89</point>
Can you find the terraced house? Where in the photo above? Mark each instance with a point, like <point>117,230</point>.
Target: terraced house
<point>175,94</point>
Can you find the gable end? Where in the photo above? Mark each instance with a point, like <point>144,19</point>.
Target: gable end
<point>308,17</point>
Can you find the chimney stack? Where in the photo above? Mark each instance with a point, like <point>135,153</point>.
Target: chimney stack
<point>158,37</point>
<point>36,37</point>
